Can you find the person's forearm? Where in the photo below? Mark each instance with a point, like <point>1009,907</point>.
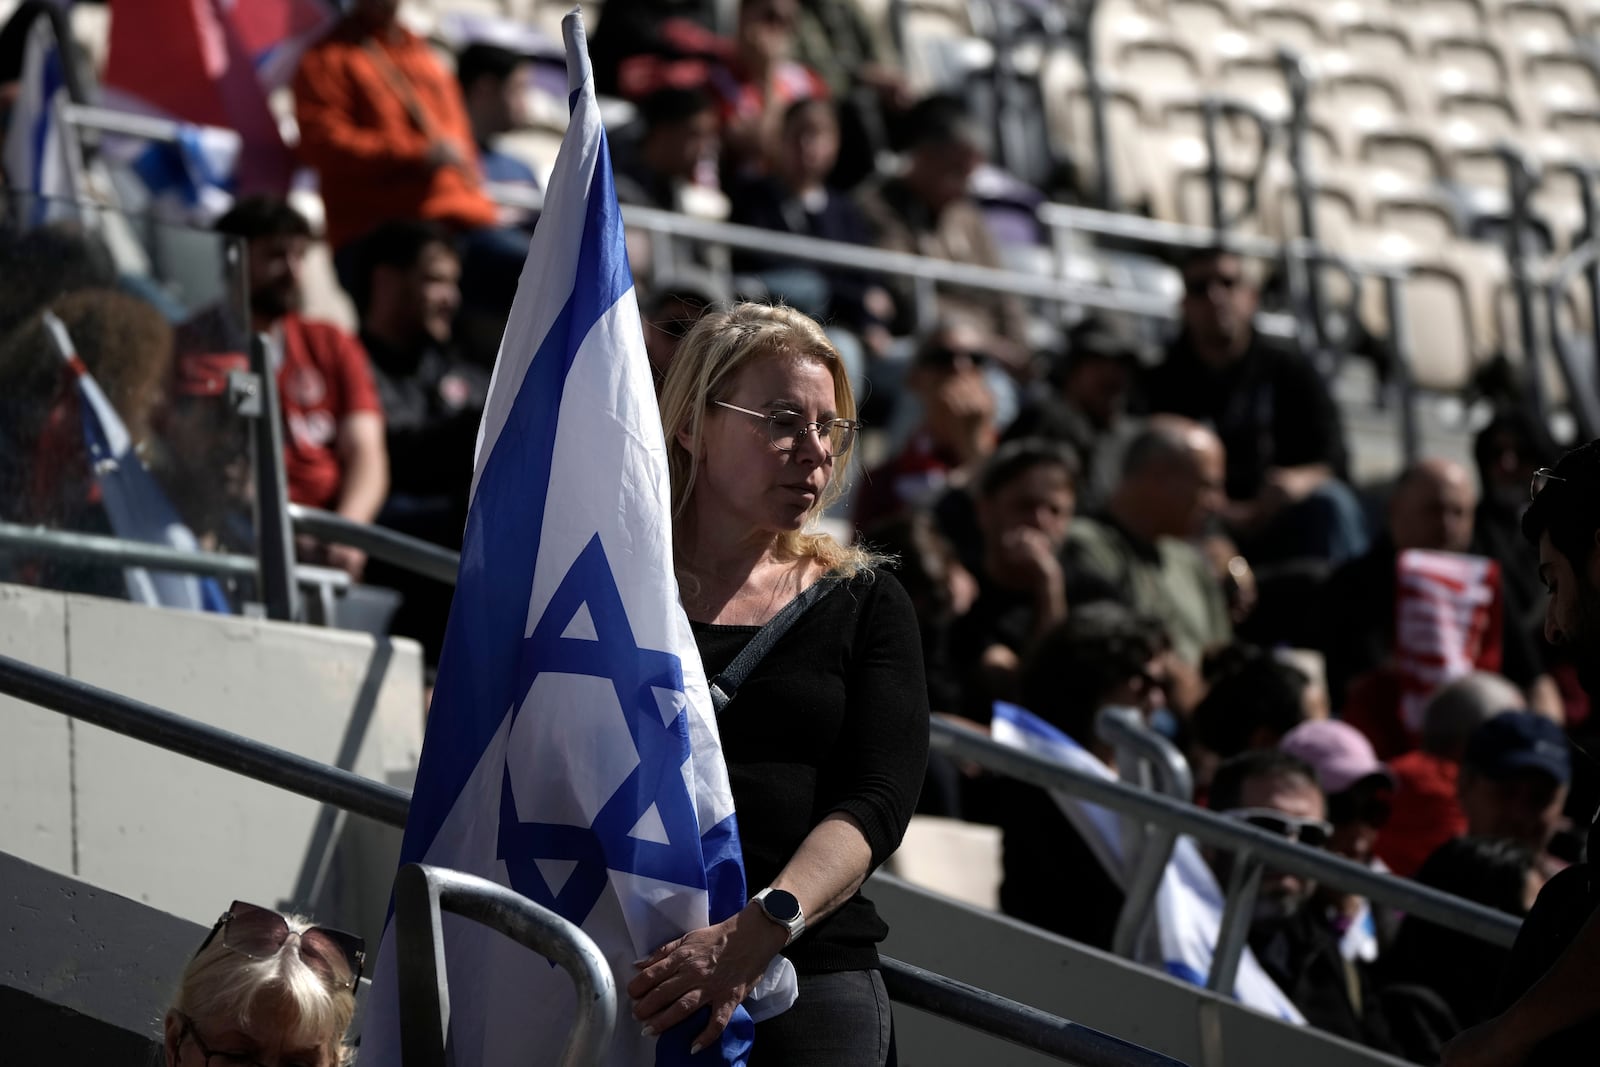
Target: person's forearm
<point>827,868</point>
<point>1566,995</point>
<point>366,485</point>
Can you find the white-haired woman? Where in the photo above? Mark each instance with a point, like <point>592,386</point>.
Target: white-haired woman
<point>265,990</point>
<point>826,740</point>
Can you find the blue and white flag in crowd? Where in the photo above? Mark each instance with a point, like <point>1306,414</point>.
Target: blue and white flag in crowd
<point>135,504</point>
<point>1188,904</point>
<point>571,752</point>
<point>35,152</point>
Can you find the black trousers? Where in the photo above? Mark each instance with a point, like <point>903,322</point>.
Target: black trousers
<point>839,1020</point>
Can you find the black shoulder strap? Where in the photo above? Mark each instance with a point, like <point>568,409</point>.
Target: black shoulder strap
<point>725,685</point>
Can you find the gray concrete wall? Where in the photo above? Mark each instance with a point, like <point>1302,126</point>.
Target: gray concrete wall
<point>1087,986</point>
<point>181,836</point>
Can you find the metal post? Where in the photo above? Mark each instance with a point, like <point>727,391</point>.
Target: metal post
<point>1105,177</point>
<point>423,894</point>
<point>1522,178</point>
<point>274,536</point>
<point>1243,885</point>
<point>1400,349</point>
<point>1210,113</point>
<point>1587,178</point>
<point>1294,74</point>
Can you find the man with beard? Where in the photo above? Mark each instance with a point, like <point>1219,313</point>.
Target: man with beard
<point>1273,790</point>
<point>1555,1017</point>
<point>334,452</point>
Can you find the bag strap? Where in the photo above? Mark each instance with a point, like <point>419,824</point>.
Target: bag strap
<point>726,685</point>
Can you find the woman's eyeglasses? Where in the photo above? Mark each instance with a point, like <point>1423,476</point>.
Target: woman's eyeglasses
<point>1313,833</point>
<point>258,933</point>
<point>214,1057</point>
<point>785,428</point>
<point>1541,478</point>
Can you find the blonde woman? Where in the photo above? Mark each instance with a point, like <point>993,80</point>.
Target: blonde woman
<point>826,739</point>
<point>266,990</point>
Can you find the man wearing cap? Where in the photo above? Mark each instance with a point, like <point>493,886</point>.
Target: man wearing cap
<point>1555,969</point>
<point>1359,790</point>
<point>1514,779</point>
<point>203,452</point>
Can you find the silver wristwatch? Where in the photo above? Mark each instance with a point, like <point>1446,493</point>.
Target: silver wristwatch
<point>782,907</point>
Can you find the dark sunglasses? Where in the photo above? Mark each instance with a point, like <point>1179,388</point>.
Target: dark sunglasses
<point>259,933</point>
<point>1313,833</point>
<point>1542,478</point>
<point>1372,806</point>
<point>1199,287</point>
<point>942,357</point>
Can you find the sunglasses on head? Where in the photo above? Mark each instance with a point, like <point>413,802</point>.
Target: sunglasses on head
<point>259,933</point>
<point>1313,833</point>
<point>1541,479</point>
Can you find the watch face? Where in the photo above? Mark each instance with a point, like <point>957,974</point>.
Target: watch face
<point>781,906</point>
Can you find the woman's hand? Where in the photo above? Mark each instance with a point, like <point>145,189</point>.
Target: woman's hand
<point>716,966</point>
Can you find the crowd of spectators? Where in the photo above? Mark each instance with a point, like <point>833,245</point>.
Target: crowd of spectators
<point>1078,528</point>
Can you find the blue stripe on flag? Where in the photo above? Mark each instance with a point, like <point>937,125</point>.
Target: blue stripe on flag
<point>483,641</point>
<point>53,82</point>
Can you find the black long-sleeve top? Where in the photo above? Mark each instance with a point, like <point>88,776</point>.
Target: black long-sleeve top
<point>834,719</point>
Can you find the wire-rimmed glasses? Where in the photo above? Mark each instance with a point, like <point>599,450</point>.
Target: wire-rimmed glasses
<point>785,429</point>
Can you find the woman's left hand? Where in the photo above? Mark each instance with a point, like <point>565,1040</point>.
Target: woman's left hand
<point>716,966</point>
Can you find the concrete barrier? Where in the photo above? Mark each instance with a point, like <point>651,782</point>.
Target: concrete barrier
<point>181,836</point>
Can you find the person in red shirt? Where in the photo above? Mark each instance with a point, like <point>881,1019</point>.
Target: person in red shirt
<point>334,452</point>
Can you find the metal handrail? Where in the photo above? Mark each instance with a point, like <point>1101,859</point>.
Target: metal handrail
<point>387,804</point>
<point>1017,1023</point>
<point>422,895</point>
<point>115,551</point>
<point>1218,831</point>
<point>401,550</point>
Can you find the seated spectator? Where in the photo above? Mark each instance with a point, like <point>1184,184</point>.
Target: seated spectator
<point>1515,773</point>
<point>432,399</point>
<point>1427,810</point>
<point>857,60</point>
<point>1141,547</point>
<point>1291,940</point>
<point>795,198</point>
<point>494,89</point>
<point>1252,700</point>
<point>955,437</point>
<point>1085,409</point>
<point>668,315</point>
<point>1360,793</point>
<point>1431,508</point>
<point>1506,453</point>
<point>677,147</point>
<point>265,988</point>
<point>1101,656</point>
<point>1274,414</point>
<point>334,452</point>
<point>204,459</point>
<point>1024,508</point>
<point>1437,981</point>
<point>926,210</point>
<point>385,127</point>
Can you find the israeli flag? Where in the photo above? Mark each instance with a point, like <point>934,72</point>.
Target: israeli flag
<point>571,751</point>
<point>134,502</point>
<point>35,153</point>
<point>1188,904</point>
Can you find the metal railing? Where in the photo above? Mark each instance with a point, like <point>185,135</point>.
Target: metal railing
<point>1253,848</point>
<point>379,542</point>
<point>912,986</point>
<point>422,895</point>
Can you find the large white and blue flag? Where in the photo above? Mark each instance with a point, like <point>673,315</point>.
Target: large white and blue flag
<point>1188,905</point>
<point>134,502</point>
<point>35,151</point>
<point>571,751</point>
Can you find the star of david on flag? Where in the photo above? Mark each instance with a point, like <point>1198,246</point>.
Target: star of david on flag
<point>571,751</point>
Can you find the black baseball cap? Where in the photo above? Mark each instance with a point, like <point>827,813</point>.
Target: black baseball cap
<point>1515,741</point>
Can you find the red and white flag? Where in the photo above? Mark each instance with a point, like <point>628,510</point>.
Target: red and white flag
<point>1448,622</point>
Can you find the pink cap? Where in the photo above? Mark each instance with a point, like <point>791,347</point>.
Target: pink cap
<point>1339,753</point>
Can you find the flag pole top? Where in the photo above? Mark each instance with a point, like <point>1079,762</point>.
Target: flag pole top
<point>577,41</point>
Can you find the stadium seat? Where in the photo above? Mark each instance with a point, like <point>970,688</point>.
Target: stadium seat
<point>1403,149</point>
<point>1381,40</point>
<point>1299,28</point>
<point>1561,81</point>
<point>1459,64</point>
<point>1536,27</point>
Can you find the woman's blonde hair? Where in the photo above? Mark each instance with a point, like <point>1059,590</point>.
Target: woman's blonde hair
<point>223,984</point>
<point>708,362</point>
